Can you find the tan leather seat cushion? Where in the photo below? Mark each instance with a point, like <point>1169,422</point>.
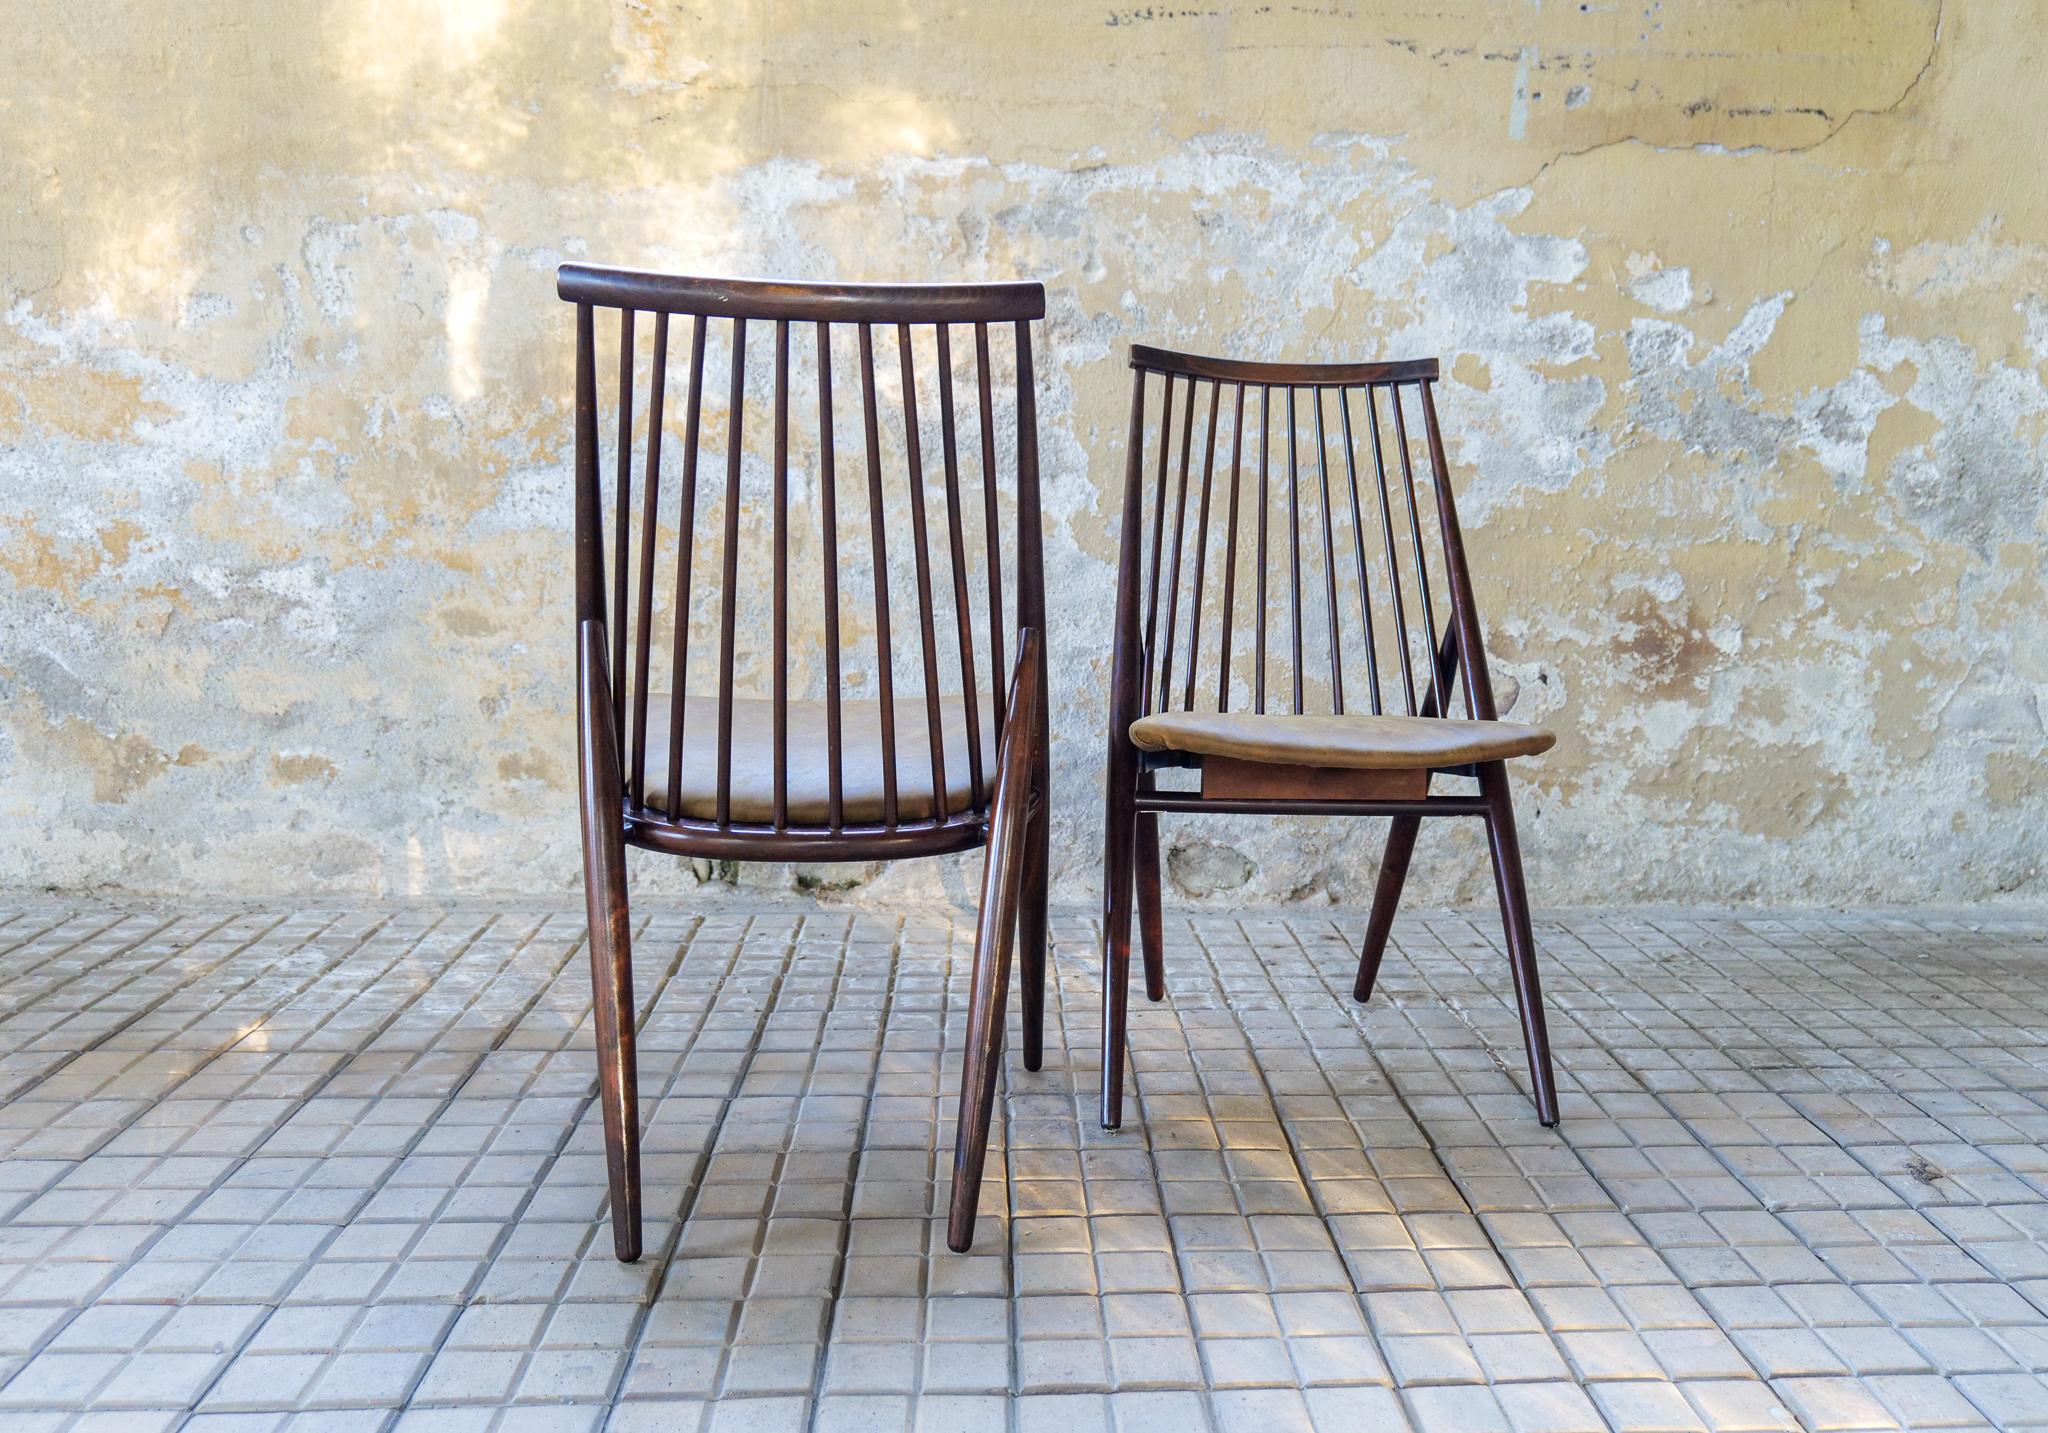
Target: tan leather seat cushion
<point>753,759</point>
<point>1372,742</point>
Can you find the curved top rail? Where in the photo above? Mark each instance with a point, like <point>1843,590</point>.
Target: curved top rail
<point>804,302</point>
<point>1305,375</point>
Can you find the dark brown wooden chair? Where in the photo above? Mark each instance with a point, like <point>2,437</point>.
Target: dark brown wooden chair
<point>1344,709</point>
<point>790,578</point>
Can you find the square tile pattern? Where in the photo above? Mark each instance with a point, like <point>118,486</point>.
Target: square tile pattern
<point>340,1169</point>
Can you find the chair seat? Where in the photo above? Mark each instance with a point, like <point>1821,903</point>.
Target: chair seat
<point>860,722</point>
<point>1369,742</point>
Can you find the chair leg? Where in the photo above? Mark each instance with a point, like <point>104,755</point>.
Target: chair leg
<point>1033,925</point>
<point>1514,911</point>
<point>1008,856</point>
<point>1385,897</point>
<point>611,979</point>
<point>1119,858</point>
<point>611,943</point>
<point>1150,925</point>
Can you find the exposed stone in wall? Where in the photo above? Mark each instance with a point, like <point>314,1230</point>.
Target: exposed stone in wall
<point>1743,309</point>
<point>1206,868</point>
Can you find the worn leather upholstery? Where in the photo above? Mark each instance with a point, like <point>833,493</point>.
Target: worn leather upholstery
<point>1373,742</point>
<point>753,759</point>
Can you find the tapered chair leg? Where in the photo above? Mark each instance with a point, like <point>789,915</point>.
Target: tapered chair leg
<point>1119,858</point>
<point>1150,924</point>
<point>1514,911</point>
<point>1033,925</point>
<point>611,944</point>
<point>1001,880</point>
<point>985,1007</point>
<point>1385,897</point>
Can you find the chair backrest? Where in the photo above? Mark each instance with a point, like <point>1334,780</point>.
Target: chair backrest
<point>798,541</point>
<point>1268,575</point>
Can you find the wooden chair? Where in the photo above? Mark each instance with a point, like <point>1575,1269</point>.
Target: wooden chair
<point>801,588</point>
<point>1343,711</point>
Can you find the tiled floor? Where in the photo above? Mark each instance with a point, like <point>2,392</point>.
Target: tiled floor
<point>320,1167</point>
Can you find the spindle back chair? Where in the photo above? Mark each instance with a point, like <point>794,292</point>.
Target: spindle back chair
<point>857,744</point>
<point>1295,633</point>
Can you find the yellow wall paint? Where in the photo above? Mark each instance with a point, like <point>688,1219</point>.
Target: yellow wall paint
<point>1744,307</point>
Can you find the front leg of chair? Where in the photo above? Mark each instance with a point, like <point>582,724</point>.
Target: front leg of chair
<point>1119,858</point>
<point>1385,897</point>
<point>1033,923</point>
<point>1001,879</point>
<point>611,943</point>
<point>1514,911</point>
<point>1151,925</point>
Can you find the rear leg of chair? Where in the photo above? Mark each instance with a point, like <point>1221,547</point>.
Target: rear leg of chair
<point>1150,924</point>
<point>1385,897</point>
<point>1119,852</point>
<point>1514,911</point>
<point>611,944</point>
<point>1033,925</point>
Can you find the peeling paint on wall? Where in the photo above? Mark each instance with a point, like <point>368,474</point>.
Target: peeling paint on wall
<point>1743,309</point>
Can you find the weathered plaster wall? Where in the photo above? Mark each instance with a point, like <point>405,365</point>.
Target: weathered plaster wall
<point>1745,306</point>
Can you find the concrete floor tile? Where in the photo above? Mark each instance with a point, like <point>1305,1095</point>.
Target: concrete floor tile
<point>1800,1176</point>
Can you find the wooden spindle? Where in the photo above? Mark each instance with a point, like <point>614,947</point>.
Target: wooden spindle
<point>728,610</point>
<point>643,642</point>
<point>1379,468</point>
<point>1180,523</point>
<point>1265,503</point>
<point>828,521</point>
<point>992,529</point>
<point>885,653</point>
<point>686,547</point>
<point>1294,541</point>
<point>1329,556</point>
<point>956,544</point>
<point>1201,547</point>
<point>1230,553</point>
<point>913,451</point>
<point>622,539</point>
<point>780,519</point>
<point>1415,534</point>
<point>1372,658</point>
<point>1159,539</point>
